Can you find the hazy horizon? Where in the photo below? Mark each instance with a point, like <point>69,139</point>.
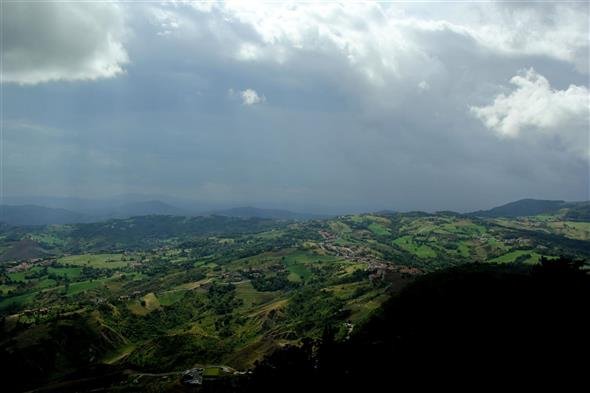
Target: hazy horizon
<point>320,108</point>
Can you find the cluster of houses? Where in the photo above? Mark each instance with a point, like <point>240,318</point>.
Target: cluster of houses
<point>327,236</point>
<point>26,265</point>
<point>519,241</point>
<point>231,276</point>
<point>35,311</point>
<point>194,376</point>
<point>132,295</point>
<point>254,272</point>
<point>378,269</point>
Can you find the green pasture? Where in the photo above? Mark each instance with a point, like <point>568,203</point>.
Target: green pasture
<point>99,261</point>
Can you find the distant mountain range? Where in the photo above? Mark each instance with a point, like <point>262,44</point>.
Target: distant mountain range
<point>32,214</point>
<point>42,215</point>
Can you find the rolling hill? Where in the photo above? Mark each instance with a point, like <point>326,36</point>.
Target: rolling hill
<point>523,207</point>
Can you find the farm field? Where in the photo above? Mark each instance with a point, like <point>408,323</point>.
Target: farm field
<point>97,261</point>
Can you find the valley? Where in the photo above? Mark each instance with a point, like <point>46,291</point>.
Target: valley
<point>158,295</point>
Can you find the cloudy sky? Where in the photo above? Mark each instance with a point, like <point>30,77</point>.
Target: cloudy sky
<point>308,106</point>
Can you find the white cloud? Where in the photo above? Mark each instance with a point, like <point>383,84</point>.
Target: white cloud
<point>344,75</point>
<point>554,30</point>
<point>384,58</point>
<point>534,105</point>
<point>62,41</point>
<point>166,21</point>
<point>382,41</point>
<point>248,96</point>
<point>423,86</point>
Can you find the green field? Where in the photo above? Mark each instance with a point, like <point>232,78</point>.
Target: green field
<point>572,229</point>
<point>464,227</point>
<point>20,300</point>
<point>379,229</point>
<point>98,261</point>
<point>251,297</point>
<point>17,276</point>
<point>4,289</point>
<point>513,255</point>
<point>296,264</point>
<point>83,286</point>
<point>420,250</point>
<point>463,249</point>
<point>69,272</point>
<point>170,297</point>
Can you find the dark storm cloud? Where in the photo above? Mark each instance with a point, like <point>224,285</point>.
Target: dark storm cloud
<point>48,41</point>
<point>363,109</point>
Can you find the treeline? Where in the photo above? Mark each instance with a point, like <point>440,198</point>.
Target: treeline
<point>274,282</point>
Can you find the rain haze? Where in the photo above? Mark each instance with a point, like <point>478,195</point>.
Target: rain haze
<point>315,107</point>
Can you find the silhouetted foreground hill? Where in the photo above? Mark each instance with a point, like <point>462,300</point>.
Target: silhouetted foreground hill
<point>476,322</point>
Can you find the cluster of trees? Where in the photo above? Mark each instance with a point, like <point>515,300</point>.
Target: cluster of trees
<point>158,322</point>
<point>222,298</point>
<point>145,232</point>
<point>356,276</point>
<point>174,352</point>
<point>273,282</point>
<point>579,213</point>
<point>242,246</point>
<point>310,309</point>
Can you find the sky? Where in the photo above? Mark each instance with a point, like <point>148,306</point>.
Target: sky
<point>319,107</point>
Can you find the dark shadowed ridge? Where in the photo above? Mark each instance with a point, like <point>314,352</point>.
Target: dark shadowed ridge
<point>524,207</point>
<point>386,212</point>
<point>143,209</point>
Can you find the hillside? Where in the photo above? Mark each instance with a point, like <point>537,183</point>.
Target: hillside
<point>533,207</point>
<point>459,327</point>
<point>222,293</point>
<point>24,250</point>
<point>521,208</point>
